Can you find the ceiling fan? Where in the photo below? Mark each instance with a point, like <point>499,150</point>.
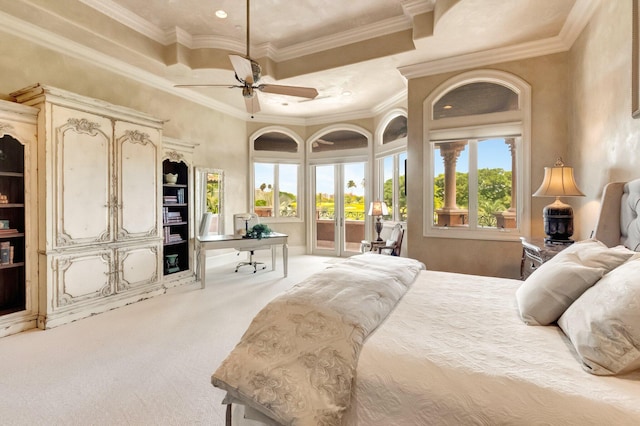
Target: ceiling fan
<point>318,142</point>
<point>248,73</point>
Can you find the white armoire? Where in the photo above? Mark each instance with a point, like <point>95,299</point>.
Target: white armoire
<point>99,225</point>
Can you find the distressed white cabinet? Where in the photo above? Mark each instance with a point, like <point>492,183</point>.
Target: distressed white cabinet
<point>18,258</point>
<point>100,242</point>
<point>177,213</point>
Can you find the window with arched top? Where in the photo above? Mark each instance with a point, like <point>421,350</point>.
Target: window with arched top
<point>277,158</point>
<point>391,163</point>
<point>477,157</point>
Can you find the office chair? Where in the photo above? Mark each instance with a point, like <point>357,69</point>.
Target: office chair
<point>242,222</point>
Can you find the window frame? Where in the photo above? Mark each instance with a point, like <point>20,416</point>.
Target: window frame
<point>502,124</point>
<point>391,149</point>
<point>277,158</point>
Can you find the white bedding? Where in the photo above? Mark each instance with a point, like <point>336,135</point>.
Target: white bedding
<point>455,352</point>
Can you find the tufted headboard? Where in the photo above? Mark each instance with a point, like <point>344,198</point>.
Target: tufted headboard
<point>618,222</point>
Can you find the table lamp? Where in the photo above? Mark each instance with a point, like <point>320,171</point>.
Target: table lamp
<point>558,216</point>
<point>379,209</point>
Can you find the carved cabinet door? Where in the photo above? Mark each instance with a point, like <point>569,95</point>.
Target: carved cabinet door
<point>81,277</point>
<point>138,266</point>
<point>80,184</point>
<point>138,170</point>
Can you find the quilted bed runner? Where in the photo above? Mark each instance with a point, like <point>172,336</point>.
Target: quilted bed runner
<point>297,360</point>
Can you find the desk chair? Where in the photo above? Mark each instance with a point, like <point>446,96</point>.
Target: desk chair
<point>242,222</point>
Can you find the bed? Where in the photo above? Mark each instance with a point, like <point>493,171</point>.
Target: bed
<point>452,349</point>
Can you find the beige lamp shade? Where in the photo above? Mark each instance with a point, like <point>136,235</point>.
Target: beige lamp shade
<point>558,182</point>
<point>378,208</point>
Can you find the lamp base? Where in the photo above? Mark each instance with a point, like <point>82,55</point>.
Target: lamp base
<point>558,222</point>
<point>378,228</point>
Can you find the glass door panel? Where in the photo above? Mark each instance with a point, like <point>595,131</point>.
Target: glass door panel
<point>353,207</point>
<point>339,214</point>
<point>324,213</point>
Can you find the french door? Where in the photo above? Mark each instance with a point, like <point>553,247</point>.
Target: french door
<point>338,211</point>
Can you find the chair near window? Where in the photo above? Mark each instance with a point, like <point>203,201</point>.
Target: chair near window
<point>242,222</point>
<point>393,245</point>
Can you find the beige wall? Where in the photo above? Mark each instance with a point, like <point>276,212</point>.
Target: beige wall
<point>547,77</point>
<point>221,138</point>
<point>605,138</point>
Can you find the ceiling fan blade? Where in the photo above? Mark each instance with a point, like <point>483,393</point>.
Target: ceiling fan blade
<point>303,92</point>
<point>252,104</point>
<point>242,67</point>
<point>230,86</point>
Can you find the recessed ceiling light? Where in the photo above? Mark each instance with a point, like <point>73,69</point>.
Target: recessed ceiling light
<point>221,14</point>
<point>346,93</point>
<point>447,107</point>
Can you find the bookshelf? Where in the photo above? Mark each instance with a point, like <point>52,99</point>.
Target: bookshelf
<point>176,217</point>
<point>12,226</point>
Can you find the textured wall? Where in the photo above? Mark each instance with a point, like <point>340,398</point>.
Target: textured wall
<point>604,136</point>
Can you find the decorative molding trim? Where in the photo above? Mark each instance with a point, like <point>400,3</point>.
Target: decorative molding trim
<point>487,57</point>
<point>578,18</point>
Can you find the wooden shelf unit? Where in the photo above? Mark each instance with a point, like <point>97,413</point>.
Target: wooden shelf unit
<point>172,210</point>
<point>12,216</point>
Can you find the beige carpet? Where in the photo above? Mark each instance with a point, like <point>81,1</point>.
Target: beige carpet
<point>148,363</point>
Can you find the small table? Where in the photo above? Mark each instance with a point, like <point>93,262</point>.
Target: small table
<point>211,242</point>
<point>535,252</point>
<point>366,245</point>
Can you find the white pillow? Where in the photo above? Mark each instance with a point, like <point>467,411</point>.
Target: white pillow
<point>556,284</point>
<point>604,323</point>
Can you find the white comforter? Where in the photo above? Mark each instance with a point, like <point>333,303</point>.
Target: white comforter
<point>454,352</point>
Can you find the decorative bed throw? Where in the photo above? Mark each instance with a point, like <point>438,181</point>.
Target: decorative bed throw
<point>296,361</point>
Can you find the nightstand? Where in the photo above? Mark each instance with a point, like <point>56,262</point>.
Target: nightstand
<point>535,252</point>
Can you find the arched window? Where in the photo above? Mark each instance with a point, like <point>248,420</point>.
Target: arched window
<point>477,157</point>
<point>391,163</point>
<point>277,158</point>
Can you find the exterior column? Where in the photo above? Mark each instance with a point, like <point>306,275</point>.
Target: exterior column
<point>450,214</point>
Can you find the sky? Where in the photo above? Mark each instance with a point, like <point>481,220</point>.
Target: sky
<point>492,154</point>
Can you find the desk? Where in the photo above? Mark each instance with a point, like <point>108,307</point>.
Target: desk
<point>211,242</point>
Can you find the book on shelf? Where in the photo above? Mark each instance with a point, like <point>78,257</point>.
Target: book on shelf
<point>180,195</point>
<point>5,253</point>
<point>170,199</point>
<point>8,231</point>
<point>170,237</point>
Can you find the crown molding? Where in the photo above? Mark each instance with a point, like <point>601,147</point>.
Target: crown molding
<point>485,57</point>
<point>131,20</point>
<point>417,7</point>
<point>353,35</point>
<point>578,18</point>
<point>581,13</point>
<point>146,28</point>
